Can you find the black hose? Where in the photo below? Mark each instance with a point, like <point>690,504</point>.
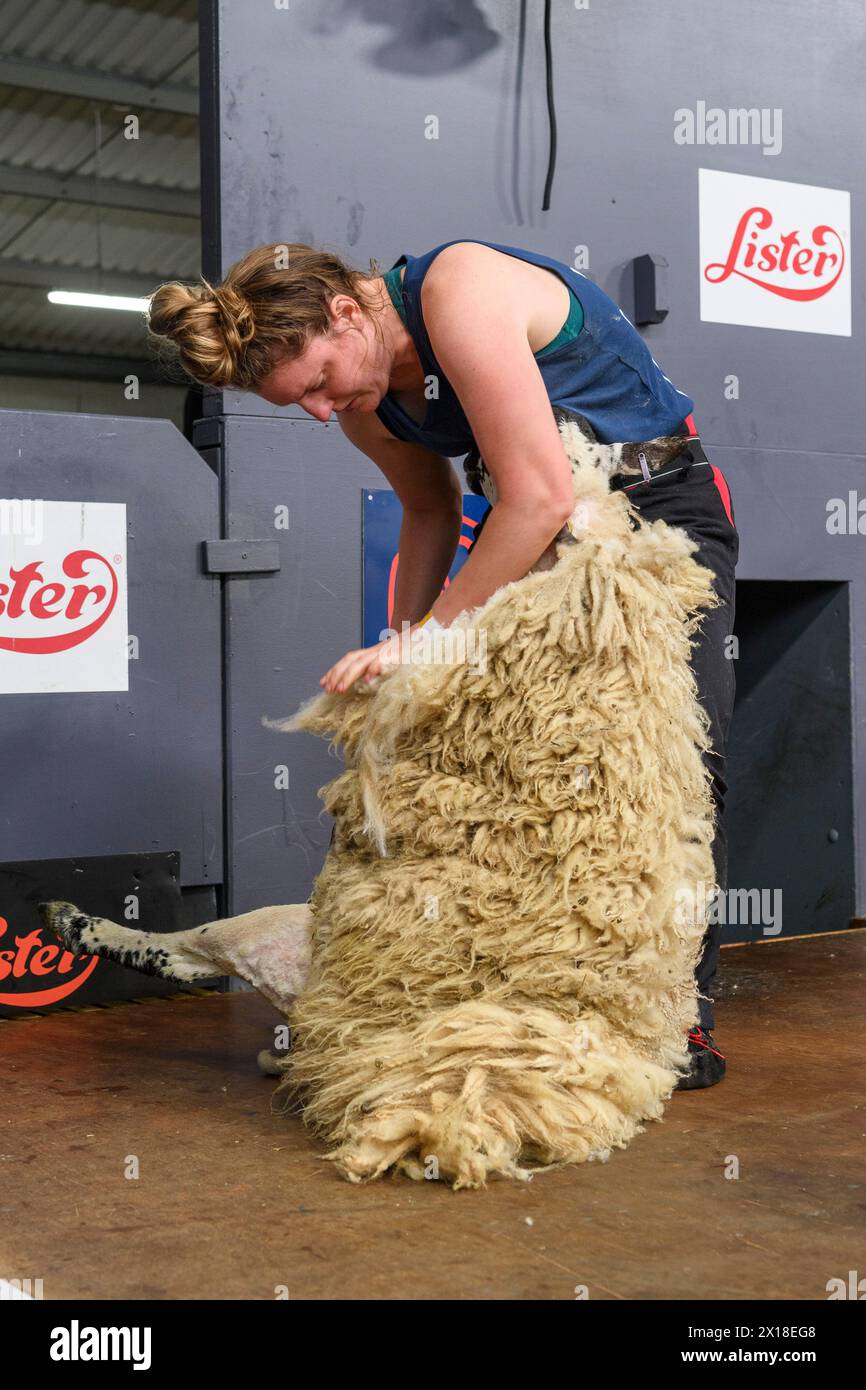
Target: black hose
<point>551,109</point>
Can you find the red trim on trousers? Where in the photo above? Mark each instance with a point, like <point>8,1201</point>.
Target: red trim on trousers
<point>719,480</point>
<point>718,476</point>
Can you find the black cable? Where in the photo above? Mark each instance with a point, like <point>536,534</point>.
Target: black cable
<point>551,109</point>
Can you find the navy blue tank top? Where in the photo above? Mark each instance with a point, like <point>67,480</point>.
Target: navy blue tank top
<point>607,373</point>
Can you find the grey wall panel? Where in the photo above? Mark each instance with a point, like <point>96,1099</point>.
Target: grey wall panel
<point>284,631</point>
<point>316,133</point>
<point>118,772</point>
<point>321,138</point>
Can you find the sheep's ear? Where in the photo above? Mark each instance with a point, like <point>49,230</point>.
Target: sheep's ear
<point>563,416</point>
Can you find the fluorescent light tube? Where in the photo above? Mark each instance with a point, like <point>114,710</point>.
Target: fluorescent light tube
<point>99,301</point>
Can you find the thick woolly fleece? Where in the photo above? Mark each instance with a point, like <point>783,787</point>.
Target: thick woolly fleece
<point>506,926</point>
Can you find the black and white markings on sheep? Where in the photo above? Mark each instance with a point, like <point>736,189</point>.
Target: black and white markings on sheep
<point>95,936</point>
<point>585,451</point>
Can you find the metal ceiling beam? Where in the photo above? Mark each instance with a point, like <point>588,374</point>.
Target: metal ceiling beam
<point>110,193</point>
<point>129,92</point>
<point>82,367</point>
<point>64,277</point>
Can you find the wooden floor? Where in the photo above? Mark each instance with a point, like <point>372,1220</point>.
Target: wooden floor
<point>232,1201</point>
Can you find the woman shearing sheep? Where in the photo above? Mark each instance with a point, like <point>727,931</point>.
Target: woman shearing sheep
<point>465,350</point>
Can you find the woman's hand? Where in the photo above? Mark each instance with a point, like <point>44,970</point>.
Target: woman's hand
<point>367,662</point>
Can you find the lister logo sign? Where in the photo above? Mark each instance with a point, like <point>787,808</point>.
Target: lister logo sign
<point>35,972</point>
<point>775,254</point>
<point>63,614</point>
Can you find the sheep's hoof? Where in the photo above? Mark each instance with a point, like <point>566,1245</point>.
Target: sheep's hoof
<point>65,920</point>
<point>269,1063</point>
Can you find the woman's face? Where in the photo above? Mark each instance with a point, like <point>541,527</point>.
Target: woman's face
<point>341,372</point>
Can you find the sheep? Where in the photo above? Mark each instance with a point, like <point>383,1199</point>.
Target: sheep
<point>494,972</point>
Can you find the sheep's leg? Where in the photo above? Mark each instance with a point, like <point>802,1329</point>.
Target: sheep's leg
<point>270,948</point>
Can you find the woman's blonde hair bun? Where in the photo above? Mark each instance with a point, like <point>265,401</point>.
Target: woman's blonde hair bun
<point>209,325</point>
<point>270,304</point>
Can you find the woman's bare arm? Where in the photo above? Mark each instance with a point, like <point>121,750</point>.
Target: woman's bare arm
<point>478,330</point>
<point>480,339</point>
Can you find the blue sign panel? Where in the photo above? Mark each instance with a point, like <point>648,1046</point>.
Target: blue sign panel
<point>382,516</point>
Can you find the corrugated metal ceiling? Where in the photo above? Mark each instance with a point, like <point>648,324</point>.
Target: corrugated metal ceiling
<point>151,39</point>
<point>82,206</point>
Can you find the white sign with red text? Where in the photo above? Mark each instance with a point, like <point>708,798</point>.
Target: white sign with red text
<point>775,254</point>
<point>63,612</point>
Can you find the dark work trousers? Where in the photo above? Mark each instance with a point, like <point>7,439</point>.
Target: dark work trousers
<point>698,500</point>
